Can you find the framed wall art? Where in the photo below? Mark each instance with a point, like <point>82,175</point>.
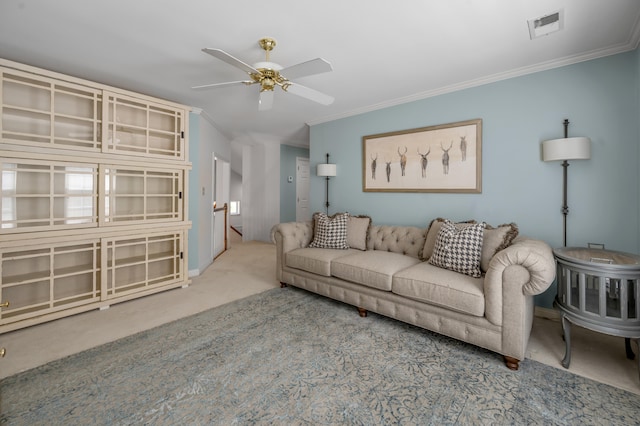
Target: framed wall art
<point>442,158</point>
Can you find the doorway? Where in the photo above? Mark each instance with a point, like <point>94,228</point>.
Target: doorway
<point>302,190</point>
<point>221,174</point>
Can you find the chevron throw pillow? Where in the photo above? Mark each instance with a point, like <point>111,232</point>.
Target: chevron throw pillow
<point>330,231</point>
<point>459,250</point>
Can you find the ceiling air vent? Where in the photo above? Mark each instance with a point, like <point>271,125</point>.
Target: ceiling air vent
<point>546,24</point>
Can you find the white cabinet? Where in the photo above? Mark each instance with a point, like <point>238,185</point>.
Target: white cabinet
<point>93,201</point>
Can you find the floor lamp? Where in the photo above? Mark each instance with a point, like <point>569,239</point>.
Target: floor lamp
<point>562,150</point>
<point>326,170</point>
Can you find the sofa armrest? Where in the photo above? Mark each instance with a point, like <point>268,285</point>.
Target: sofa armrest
<point>523,269</point>
<point>533,255</point>
<point>290,236</point>
<point>515,275</point>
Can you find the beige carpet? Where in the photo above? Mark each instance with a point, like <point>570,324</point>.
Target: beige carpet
<point>249,268</point>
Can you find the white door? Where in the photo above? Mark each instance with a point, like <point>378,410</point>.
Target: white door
<point>302,190</point>
<point>221,181</point>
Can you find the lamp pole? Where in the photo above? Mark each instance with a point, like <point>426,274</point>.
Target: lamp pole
<point>565,206</point>
<point>327,179</point>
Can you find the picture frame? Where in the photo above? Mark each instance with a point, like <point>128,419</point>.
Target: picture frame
<point>445,158</point>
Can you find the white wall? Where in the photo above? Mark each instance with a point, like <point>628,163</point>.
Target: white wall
<point>236,195</point>
<point>260,190</point>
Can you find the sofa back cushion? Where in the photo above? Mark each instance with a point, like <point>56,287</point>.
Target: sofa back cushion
<point>408,240</point>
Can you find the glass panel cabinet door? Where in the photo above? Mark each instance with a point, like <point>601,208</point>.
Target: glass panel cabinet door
<point>141,263</point>
<point>135,127</point>
<point>49,278</point>
<point>39,195</point>
<point>142,194</point>
<point>50,113</point>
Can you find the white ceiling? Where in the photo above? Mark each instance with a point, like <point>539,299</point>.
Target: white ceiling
<point>382,52</point>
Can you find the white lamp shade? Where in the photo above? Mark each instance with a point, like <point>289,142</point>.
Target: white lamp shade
<point>566,149</point>
<point>326,169</point>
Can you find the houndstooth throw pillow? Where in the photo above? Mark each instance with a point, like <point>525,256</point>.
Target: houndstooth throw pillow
<point>459,250</point>
<point>330,232</point>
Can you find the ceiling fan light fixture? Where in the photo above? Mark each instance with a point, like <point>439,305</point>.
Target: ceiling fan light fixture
<point>267,84</point>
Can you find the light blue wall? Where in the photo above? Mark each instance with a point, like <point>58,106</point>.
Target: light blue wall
<point>204,141</point>
<point>194,184</point>
<point>288,156</point>
<point>600,99</point>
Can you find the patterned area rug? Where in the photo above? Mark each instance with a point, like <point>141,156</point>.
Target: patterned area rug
<point>288,357</point>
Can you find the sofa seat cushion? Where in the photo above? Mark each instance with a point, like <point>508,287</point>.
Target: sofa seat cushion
<point>430,284</point>
<point>315,260</point>
<point>372,268</point>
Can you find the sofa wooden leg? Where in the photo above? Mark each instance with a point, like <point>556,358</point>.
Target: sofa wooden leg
<point>362,312</point>
<point>283,285</point>
<point>512,363</point>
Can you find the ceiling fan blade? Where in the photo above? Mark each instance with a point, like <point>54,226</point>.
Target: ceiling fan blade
<point>218,85</point>
<point>224,56</point>
<point>310,94</point>
<point>266,100</point>
<point>303,69</point>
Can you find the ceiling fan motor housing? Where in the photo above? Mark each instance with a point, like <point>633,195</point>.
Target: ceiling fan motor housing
<point>269,78</point>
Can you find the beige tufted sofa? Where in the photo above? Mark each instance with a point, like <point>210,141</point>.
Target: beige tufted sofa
<point>494,312</point>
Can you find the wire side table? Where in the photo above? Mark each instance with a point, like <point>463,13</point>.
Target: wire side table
<point>599,290</point>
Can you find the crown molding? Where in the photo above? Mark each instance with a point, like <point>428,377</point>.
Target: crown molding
<point>518,72</point>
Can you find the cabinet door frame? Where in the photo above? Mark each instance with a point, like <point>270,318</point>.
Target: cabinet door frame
<point>52,195</point>
<point>106,199</point>
<point>112,124</point>
<point>49,252</point>
<point>78,140</point>
<point>147,284</point>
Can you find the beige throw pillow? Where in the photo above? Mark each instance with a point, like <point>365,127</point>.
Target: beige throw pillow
<point>496,239</point>
<point>357,232</point>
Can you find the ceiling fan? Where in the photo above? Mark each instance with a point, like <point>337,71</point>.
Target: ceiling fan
<point>269,75</point>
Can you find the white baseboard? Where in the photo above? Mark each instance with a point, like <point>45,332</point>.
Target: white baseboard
<point>546,313</point>
<point>194,272</point>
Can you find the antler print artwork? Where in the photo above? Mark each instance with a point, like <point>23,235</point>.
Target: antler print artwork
<point>403,159</point>
<point>424,161</point>
<point>445,158</point>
